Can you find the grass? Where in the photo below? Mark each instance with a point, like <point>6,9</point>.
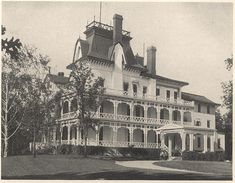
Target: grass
<point>50,164</point>
<point>65,167</point>
<point>222,168</point>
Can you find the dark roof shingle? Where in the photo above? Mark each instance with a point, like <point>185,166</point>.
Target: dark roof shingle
<point>199,98</point>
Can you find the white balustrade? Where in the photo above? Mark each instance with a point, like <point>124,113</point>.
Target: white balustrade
<point>106,116</point>
<point>123,117</point>
<point>138,144</point>
<point>139,119</point>
<point>149,97</point>
<point>164,121</point>
<point>176,122</point>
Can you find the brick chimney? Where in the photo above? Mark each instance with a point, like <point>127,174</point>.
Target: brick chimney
<point>151,59</point>
<point>117,28</point>
<point>61,74</point>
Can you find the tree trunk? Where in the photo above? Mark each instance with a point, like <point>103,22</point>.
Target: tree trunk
<point>85,145</point>
<point>34,143</point>
<point>5,152</point>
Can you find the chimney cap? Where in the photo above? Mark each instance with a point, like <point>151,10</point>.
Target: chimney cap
<point>60,73</point>
<point>116,16</point>
<point>152,48</point>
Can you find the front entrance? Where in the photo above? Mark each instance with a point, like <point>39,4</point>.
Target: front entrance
<point>174,144</point>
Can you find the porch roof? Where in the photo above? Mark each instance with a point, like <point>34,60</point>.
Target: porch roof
<point>170,127</point>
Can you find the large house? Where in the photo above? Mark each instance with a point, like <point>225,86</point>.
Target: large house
<point>142,109</point>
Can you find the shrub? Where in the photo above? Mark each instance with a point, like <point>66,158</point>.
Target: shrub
<point>46,150</point>
<point>199,156</point>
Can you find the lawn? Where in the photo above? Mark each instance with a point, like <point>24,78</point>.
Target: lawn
<point>69,167</point>
<point>222,168</point>
<point>51,164</point>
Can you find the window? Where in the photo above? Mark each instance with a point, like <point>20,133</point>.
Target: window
<point>218,142</point>
<point>134,89</point>
<point>168,93</point>
<point>208,143</point>
<point>157,92</point>
<point>198,142</point>
<point>208,109</point>
<point>175,95</point>
<point>208,123</point>
<point>144,90</point>
<point>125,86</point>
<point>198,123</point>
<point>199,108</point>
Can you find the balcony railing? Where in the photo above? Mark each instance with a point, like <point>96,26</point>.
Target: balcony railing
<point>105,26</point>
<point>177,101</point>
<point>107,143</point>
<point>127,118</point>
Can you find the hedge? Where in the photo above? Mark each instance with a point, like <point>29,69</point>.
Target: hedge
<point>207,156</point>
<point>106,151</point>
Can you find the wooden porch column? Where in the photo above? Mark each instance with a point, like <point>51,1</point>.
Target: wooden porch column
<point>205,143</point>
<point>145,137</point>
<point>78,134</point>
<point>131,111</point>
<point>162,137</point>
<point>182,117</point>
<point>170,114</point>
<point>114,136</point>
<point>54,135</point>
<point>131,135</point>
<point>183,141</point>
<point>170,145</point>
<point>212,143</point>
<point>68,134</point>
<point>191,142</point>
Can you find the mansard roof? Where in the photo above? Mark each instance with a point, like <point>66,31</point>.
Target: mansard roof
<point>99,46</point>
<point>199,98</point>
<point>58,79</point>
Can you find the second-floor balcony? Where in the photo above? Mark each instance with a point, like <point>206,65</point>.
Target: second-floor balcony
<point>129,119</point>
<point>142,96</point>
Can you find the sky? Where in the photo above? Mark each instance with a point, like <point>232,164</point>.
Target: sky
<point>192,39</point>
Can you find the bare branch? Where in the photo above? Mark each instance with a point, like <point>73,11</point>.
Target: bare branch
<point>14,132</point>
<point>3,134</point>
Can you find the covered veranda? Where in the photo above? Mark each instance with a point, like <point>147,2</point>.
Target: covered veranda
<point>177,138</point>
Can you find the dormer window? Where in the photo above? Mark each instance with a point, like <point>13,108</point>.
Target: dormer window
<point>125,88</point>
<point>157,92</point>
<point>175,95</point>
<point>199,108</point>
<point>134,89</point>
<point>144,91</point>
<point>168,94</point>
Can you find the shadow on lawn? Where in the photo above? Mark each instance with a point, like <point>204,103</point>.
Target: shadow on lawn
<point>122,175</point>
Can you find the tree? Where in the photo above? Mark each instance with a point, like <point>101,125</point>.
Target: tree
<point>228,104</point>
<point>18,77</point>
<point>219,121</point>
<point>88,91</point>
<point>11,46</point>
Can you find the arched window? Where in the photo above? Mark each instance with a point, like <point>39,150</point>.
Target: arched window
<point>74,105</point>
<point>187,117</point>
<point>176,115</point>
<point>164,114</point>
<point>65,107</point>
